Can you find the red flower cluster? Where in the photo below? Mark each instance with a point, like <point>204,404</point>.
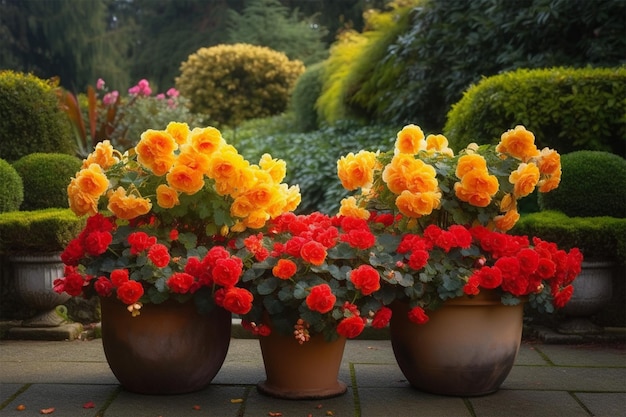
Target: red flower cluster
<point>507,262</point>
<point>217,268</point>
<point>299,248</point>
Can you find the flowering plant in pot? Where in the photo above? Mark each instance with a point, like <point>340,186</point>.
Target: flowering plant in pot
<point>440,222</point>
<point>145,251</point>
<point>298,268</point>
<point>308,300</point>
<point>443,233</point>
<point>159,215</point>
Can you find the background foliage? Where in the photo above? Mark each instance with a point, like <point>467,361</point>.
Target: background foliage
<point>453,43</point>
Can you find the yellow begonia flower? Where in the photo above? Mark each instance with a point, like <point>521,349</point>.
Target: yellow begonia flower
<point>350,208</point>
<point>184,179</point>
<point>356,171</point>
<point>127,206</point>
<point>507,221</point>
<point>92,181</point>
<point>469,163</point>
<point>179,131</point>
<point>206,140</point>
<point>418,204</point>
<point>524,179</point>
<point>167,197</point>
<point>277,168</point>
<point>155,146</point>
<point>410,140</point>
<point>79,202</point>
<point>518,143</point>
<point>102,155</point>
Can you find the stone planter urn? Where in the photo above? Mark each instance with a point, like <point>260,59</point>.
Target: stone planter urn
<point>592,291</point>
<point>34,278</point>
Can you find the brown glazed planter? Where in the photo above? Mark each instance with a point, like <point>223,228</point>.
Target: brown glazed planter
<point>467,348</point>
<point>298,372</point>
<point>168,349</point>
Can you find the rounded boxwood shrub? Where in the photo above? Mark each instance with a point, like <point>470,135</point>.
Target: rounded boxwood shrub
<point>567,109</point>
<point>233,83</point>
<point>592,184</point>
<point>12,191</point>
<point>45,177</point>
<point>30,117</point>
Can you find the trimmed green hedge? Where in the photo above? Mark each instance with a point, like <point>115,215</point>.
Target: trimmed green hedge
<point>566,109</point>
<point>41,231</point>
<point>593,183</point>
<point>12,191</point>
<point>599,238</point>
<point>46,177</point>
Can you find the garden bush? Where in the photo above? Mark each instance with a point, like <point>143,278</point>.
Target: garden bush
<point>599,238</point>
<point>349,89</point>
<point>305,94</point>
<point>45,177</point>
<point>30,118</point>
<point>593,184</point>
<point>567,109</point>
<point>12,191</point>
<point>38,231</point>
<point>233,83</point>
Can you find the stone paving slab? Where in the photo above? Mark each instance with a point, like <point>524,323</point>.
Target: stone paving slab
<point>66,399</point>
<point>407,402</point>
<point>212,401</point>
<point>575,355</point>
<point>521,403</point>
<point>547,380</point>
<point>566,379</point>
<point>604,404</point>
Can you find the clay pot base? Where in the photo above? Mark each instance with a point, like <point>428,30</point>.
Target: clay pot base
<point>266,388</point>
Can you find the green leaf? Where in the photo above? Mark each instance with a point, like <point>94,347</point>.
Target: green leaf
<point>267,286</point>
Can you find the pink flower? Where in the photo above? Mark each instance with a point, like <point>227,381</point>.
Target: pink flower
<point>100,84</point>
<point>110,98</point>
<point>141,89</point>
<point>172,92</point>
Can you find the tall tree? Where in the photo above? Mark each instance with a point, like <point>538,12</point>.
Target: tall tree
<point>171,31</point>
<point>269,23</point>
<point>69,39</point>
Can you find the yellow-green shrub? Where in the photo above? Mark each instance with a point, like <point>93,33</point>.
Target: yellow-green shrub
<point>233,83</point>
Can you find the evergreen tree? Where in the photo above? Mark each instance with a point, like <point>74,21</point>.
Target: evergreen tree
<point>269,23</point>
<point>68,39</point>
<point>170,31</point>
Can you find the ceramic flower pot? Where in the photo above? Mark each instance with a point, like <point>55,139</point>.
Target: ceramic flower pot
<point>301,371</point>
<point>34,279</point>
<point>168,349</point>
<point>593,289</point>
<point>467,348</point>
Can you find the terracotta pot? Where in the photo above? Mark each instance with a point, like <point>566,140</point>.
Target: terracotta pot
<point>467,348</point>
<point>297,372</point>
<point>168,349</point>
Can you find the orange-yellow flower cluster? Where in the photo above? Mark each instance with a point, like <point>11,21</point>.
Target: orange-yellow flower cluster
<point>422,178</point>
<point>175,162</point>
